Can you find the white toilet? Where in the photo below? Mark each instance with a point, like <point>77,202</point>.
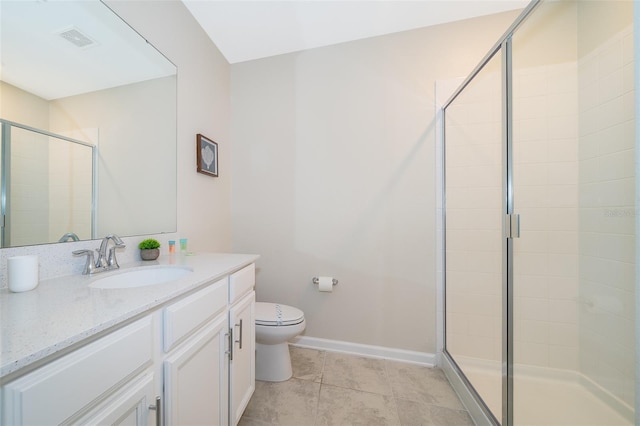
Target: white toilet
<point>276,324</point>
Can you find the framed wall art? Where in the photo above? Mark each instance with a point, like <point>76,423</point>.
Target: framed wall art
<point>206,155</point>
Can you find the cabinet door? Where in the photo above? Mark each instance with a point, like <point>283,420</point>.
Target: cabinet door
<point>129,407</point>
<point>242,370</point>
<point>76,383</point>
<point>196,378</point>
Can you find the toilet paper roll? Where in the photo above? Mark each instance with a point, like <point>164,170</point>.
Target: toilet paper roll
<point>22,273</point>
<point>325,284</point>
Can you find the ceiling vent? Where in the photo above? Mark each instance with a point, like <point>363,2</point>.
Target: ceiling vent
<point>77,38</point>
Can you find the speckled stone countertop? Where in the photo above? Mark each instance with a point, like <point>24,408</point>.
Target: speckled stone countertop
<point>64,311</point>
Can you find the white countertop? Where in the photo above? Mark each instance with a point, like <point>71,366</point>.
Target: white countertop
<point>64,311</point>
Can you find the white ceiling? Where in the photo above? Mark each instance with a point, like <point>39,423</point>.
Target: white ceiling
<point>245,30</point>
<point>35,58</point>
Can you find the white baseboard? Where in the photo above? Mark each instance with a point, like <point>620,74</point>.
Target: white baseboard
<point>368,351</point>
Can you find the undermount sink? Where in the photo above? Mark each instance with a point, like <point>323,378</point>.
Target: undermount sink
<point>142,277</point>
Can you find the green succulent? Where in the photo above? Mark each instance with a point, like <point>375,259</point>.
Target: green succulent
<point>148,244</point>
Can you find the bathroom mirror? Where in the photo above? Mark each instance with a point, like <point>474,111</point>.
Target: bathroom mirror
<point>74,70</point>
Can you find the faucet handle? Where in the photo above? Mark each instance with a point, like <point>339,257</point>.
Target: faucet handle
<point>112,262</point>
<point>89,266</point>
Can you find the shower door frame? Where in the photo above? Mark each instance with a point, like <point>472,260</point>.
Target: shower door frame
<point>5,174</point>
<point>510,230</point>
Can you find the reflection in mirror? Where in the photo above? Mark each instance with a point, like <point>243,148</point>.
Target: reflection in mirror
<point>76,70</point>
<point>47,191</point>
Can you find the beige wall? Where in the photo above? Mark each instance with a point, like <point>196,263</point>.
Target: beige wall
<point>132,126</point>
<point>334,175</point>
<point>23,107</point>
<point>70,189</point>
<point>203,107</point>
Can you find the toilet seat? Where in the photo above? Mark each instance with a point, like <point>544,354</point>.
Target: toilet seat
<point>276,314</point>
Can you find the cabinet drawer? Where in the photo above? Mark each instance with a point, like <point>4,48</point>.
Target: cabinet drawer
<point>57,391</point>
<point>184,317</point>
<point>241,282</point>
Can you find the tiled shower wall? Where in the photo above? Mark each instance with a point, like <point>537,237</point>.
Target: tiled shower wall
<point>607,214</point>
<point>545,155</point>
<point>545,181</point>
<point>546,197</point>
<point>473,175</point>
<point>29,221</point>
<point>51,187</point>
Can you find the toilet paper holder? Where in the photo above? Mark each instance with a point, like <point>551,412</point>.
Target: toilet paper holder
<point>316,280</point>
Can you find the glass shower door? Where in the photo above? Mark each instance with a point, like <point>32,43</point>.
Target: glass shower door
<point>473,233</point>
<point>574,172</point>
<point>560,293</point>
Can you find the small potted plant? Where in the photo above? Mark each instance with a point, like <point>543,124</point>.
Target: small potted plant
<point>149,249</point>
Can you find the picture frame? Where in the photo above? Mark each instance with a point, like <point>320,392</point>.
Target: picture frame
<point>206,156</point>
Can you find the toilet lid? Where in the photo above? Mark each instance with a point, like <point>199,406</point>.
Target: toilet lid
<point>277,314</point>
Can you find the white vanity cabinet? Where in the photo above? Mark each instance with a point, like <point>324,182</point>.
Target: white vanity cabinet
<point>192,361</point>
<point>242,364</point>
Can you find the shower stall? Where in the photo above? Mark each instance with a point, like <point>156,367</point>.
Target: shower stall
<point>539,221</point>
<point>47,186</point>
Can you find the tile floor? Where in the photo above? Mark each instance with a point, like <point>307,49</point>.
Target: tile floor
<point>336,389</point>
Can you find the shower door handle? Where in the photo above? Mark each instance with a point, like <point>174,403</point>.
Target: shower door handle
<point>512,226</point>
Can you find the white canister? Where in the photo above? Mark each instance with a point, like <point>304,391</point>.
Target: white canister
<point>22,273</point>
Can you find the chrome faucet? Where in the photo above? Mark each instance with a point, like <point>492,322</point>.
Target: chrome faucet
<point>106,258</point>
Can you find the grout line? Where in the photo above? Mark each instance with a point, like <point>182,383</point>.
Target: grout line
<point>324,361</point>
<point>385,363</point>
